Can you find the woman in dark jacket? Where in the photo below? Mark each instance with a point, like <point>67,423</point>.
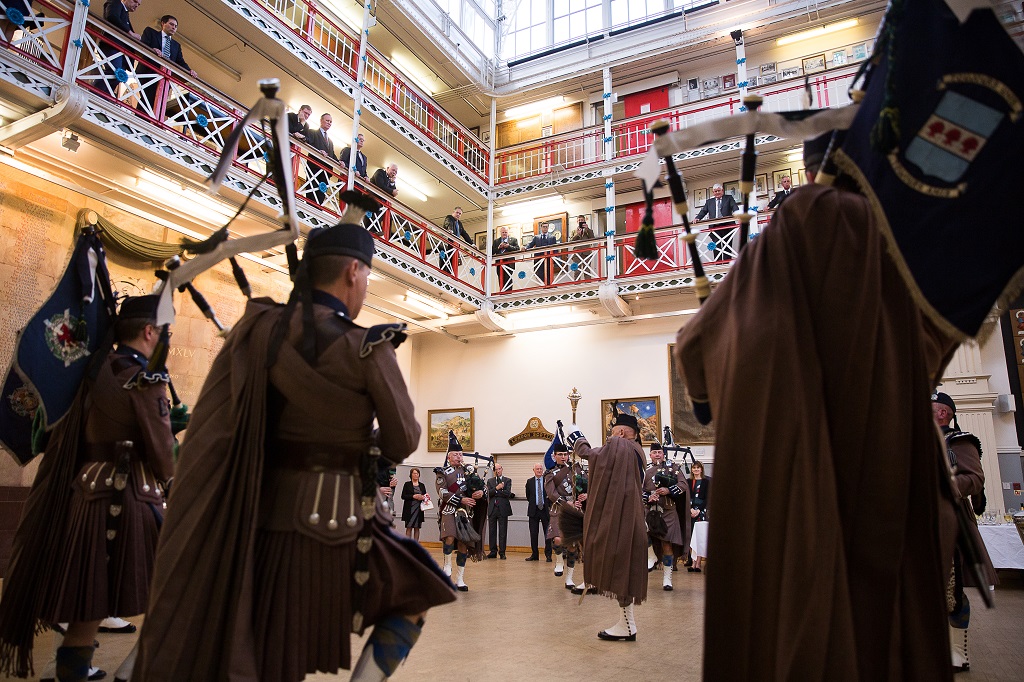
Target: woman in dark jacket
<point>413,492</point>
<point>699,489</point>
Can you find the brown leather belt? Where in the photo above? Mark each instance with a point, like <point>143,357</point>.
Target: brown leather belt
<point>107,452</point>
<point>315,456</point>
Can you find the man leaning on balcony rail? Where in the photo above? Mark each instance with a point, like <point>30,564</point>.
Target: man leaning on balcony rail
<point>503,246</point>
<point>164,45</point>
<point>445,254</point>
<point>319,175</point>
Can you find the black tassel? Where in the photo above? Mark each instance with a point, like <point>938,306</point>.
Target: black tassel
<point>207,245</point>
<point>240,278</point>
<point>646,246</point>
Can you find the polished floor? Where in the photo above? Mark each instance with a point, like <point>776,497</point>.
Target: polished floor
<point>518,623</point>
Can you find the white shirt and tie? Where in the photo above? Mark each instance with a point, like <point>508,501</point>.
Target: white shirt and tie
<point>166,49</point>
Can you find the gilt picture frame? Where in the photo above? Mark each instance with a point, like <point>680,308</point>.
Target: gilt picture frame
<point>646,410</point>
<point>458,419</point>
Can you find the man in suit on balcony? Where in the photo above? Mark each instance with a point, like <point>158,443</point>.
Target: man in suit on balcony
<point>164,45</point>
<point>319,140</point>
<point>545,238</point>
<point>360,163</point>
<point>503,246</point>
<point>721,206</point>
<point>782,194</point>
<point>446,254</point>
<point>116,12</point>
<point>297,126</point>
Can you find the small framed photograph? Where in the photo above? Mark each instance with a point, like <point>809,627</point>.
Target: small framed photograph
<point>761,184</point>
<point>778,175</point>
<point>439,422</point>
<point>791,72</point>
<point>700,197</point>
<point>646,410</point>
<point>770,78</point>
<point>692,84</point>
<point>860,52</point>
<point>711,84</point>
<point>729,81</point>
<point>733,188</point>
<point>813,64</point>
<point>767,68</point>
<point>480,238</point>
<point>838,57</point>
<point>797,178</point>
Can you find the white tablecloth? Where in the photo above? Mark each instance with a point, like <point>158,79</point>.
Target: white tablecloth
<point>1004,545</point>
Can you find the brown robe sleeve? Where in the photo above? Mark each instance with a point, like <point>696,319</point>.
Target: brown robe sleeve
<point>549,487</point>
<point>399,430</point>
<point>153,416</point>
<point>968,478</point>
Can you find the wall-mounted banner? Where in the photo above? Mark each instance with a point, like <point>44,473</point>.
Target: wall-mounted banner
<point>534,431</point>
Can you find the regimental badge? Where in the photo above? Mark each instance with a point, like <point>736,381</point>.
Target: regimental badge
<point>23,401</point>
<point>952,136</point>
<point>67,337</point>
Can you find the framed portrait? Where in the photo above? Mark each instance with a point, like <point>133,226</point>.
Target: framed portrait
<point>791,72</point>
<point>711,84</point>
<point>761,184</point>
<point>646,410</point>
<point>838,57</point>
<point>729,81</point>
<point>439,422</point>
<point>692,84</point>
<point>733,188</point>
<point>770,78</point>
<point>778,175</point>
<point>797,178</point>
<point>767,68</point>
<point>813,64</point>
<point>700,197</point>
<point>557,225</point>
<point>480,239</point>
<point>686,430</point>
<point>860,52</point>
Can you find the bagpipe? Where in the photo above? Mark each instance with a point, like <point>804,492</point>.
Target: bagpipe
<point>570,519</point>
<point>676,453</point>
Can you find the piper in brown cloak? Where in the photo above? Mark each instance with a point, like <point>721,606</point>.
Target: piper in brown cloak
<point>816,362</point>
<point>457,504</point>
<point>277,543</point>
<point>614,534</point>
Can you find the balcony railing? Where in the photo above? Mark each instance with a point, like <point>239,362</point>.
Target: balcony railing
<point>342,47</point>
<point>631,137</point>
<point>43,36</point>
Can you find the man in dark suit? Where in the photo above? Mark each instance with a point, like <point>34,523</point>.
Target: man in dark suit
<point>297,126</point>
<point>163,43</point>
<point>499,508</point>
<point>445,255</point>
<point>538,512</point>
<point>318,139</point>
<point>384,179</point>
<point>360,164</point>
<point>502,246</point>
<point>782,194</point>
<point>720,206</point>
<point>545,238</point>
<point>116,12</point>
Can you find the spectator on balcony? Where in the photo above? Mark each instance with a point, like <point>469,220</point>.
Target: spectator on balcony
<point>580,234</point>
<point>721,206</point>
<point>116,12</point>
<point>384,179</point>
<point>446,255</point>
<point>545,238</point>
<point>318,173</point>
<point>164,45</point>
<point>503,246</point>
<point>360,165</point>
<point>782,194</point>
<point>297,126</point>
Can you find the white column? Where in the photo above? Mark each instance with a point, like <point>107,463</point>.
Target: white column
<point>611,267</point>
<point>488,274</point>
<point>357,107</point>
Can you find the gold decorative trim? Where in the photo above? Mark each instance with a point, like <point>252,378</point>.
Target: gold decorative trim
<point>989,82</point>
<point>913,183</point>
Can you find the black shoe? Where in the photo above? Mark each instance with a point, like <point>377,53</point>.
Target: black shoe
<point>691,569</point>
<point>590,590</point>
<point>492,555</point>
<point>532,558</point>
<point>98,675</point>
<point>667,588</point>
<point>463,588</point>
<point>126,629</point>
<point>502,557</point>
<point>548,560</point>
<point>558,573</point>
<point>696,570</point>
<point>616,638</point>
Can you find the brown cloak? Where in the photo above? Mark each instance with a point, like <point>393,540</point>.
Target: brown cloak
<point>818,365</point>
<point>614,532</point>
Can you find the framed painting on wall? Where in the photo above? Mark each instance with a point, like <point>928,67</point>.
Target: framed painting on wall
<point>767,68</point>
<point>791,72</point>
<point>646,410</point>
<point>439,422</point>
<point>813,64</point>
<point>700,197</point>
<point>777,177</point>
<point>692,84</point>
<point>733,188</point>
<point>761,184</point>
<point>838,57</point>
<point>686,430</point>
<point>797,178</point>
<point>557,225</point>
<point>860,52</point>
<point>711,84</point>
<point>480,238</point>
<point>770,78</point>
<point>729,81</point>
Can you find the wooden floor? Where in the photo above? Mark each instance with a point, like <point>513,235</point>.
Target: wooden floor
<point>518,623</point>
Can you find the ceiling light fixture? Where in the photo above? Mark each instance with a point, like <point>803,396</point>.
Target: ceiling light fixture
<point>816,32</point>
<point>410,188</point>
<point>534,107</point>
<point>70,141</point>
<point>413,74</point>
<point>425,305</point>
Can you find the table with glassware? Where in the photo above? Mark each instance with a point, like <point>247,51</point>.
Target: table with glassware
<point>1002,540</point>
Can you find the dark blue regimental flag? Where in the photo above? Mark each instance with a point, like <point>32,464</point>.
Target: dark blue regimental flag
<point>944,179</point>
<point>556,446</point>
<point>52,352</point>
